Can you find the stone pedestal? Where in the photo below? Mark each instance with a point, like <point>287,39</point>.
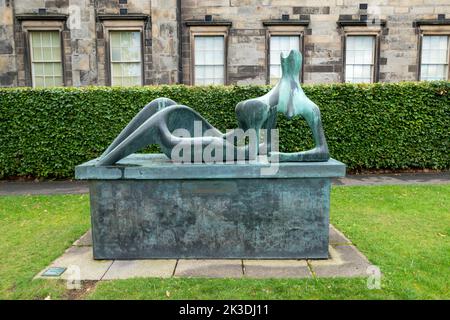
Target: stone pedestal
<point>147,207</point>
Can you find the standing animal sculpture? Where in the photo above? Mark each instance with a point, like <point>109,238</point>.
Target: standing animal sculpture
<point>156,123</point>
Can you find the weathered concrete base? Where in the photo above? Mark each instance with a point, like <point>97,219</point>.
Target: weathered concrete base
<point>147,207</point>
<point>345,261</point>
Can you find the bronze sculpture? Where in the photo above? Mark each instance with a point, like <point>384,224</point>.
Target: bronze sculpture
<point>156,123</point>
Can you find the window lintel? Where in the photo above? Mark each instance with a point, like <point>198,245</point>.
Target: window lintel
<point>202,23</point>
<point>363,31</point>
<point>43,25</point>
<point>431,22</point>
<point>42,17</point>
<point>285,23</point>
<point>370,23</point>
<point>434,29</point>
<point>123,17</point>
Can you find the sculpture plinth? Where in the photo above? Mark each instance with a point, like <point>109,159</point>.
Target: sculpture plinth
<point>146,206</point>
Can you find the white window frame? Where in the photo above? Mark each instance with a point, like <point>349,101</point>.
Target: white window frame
<point>421,64</point>
<point>208,31</point>
<point>269,52</point>
<point>222,65</point>
<point>373,65</point>
<point>32,33</point>
<point>140,61</point>
<point>362,31</point>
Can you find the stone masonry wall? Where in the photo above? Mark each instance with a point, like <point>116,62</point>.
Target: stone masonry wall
<point>323,39</point>
<point>165,41</point>
<point>79,47</point>
<point>85,48</point>
<point>8,67</point>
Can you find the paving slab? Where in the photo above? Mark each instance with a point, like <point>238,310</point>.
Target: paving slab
<point>126,269</point>
<point>80,264</point>
<point>337,237</point>
<point>276,269</point>
<point>345,261</point>
<point>85,240</point>
<point>209,268</point>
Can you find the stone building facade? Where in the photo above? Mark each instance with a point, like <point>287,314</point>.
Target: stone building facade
<point>150,42</point>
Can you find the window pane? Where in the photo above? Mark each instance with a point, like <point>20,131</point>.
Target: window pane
<point>38,81</point>
<point>116,81</point>
<point>359,59</point>
<point>38,69</point>
<point>49,82</point>
<point>275,74</point>
<point>57,68</point>
<point>127,54</point>
<point>278,45</point>
<point>115,54</point>
<point>37,54</point>
<point>199,72</point>
<point>126,60</point>
<point>434,72</point>
<point>46,39</point>
<point>47,54</point>
<point>135,39</point>
<point>116,70</point>
<point>58,81</point>
<point>218,72</point>
<point>48,69</point>
<point>275,57</point>
<point>209,60</point>
<point>56,54</point>
<point>434,58</point>
<point>55,39</point>
<point>115,39</point>
<point>46,58</point>
<point>209,57</point>
<point>125,39</point>
<point>131,69</point>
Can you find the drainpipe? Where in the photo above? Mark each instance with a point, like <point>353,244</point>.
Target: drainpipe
<point>179,34</point>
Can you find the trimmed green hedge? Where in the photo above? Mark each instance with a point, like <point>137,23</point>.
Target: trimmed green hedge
<point>46,132</point>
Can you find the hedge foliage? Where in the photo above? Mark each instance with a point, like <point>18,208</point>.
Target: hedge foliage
<point>46,132</point>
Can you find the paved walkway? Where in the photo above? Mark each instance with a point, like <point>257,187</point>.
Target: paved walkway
<point>76,187</point>
<point>77,263</point>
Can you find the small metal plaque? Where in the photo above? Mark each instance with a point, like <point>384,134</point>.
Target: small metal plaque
<point>54,272</point>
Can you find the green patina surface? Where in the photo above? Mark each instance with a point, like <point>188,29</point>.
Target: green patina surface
<point>157,122</point>
<point>147,206</point>
<point>288,98</point>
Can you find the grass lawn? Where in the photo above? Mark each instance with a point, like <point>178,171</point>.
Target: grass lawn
<point>404,230</point>
<point>34,231</point>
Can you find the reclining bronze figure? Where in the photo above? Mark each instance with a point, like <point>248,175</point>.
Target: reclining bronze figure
<point>157,122</point>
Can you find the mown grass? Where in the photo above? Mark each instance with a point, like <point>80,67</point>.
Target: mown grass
<point>404,230</point>
<point>35,230</point>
